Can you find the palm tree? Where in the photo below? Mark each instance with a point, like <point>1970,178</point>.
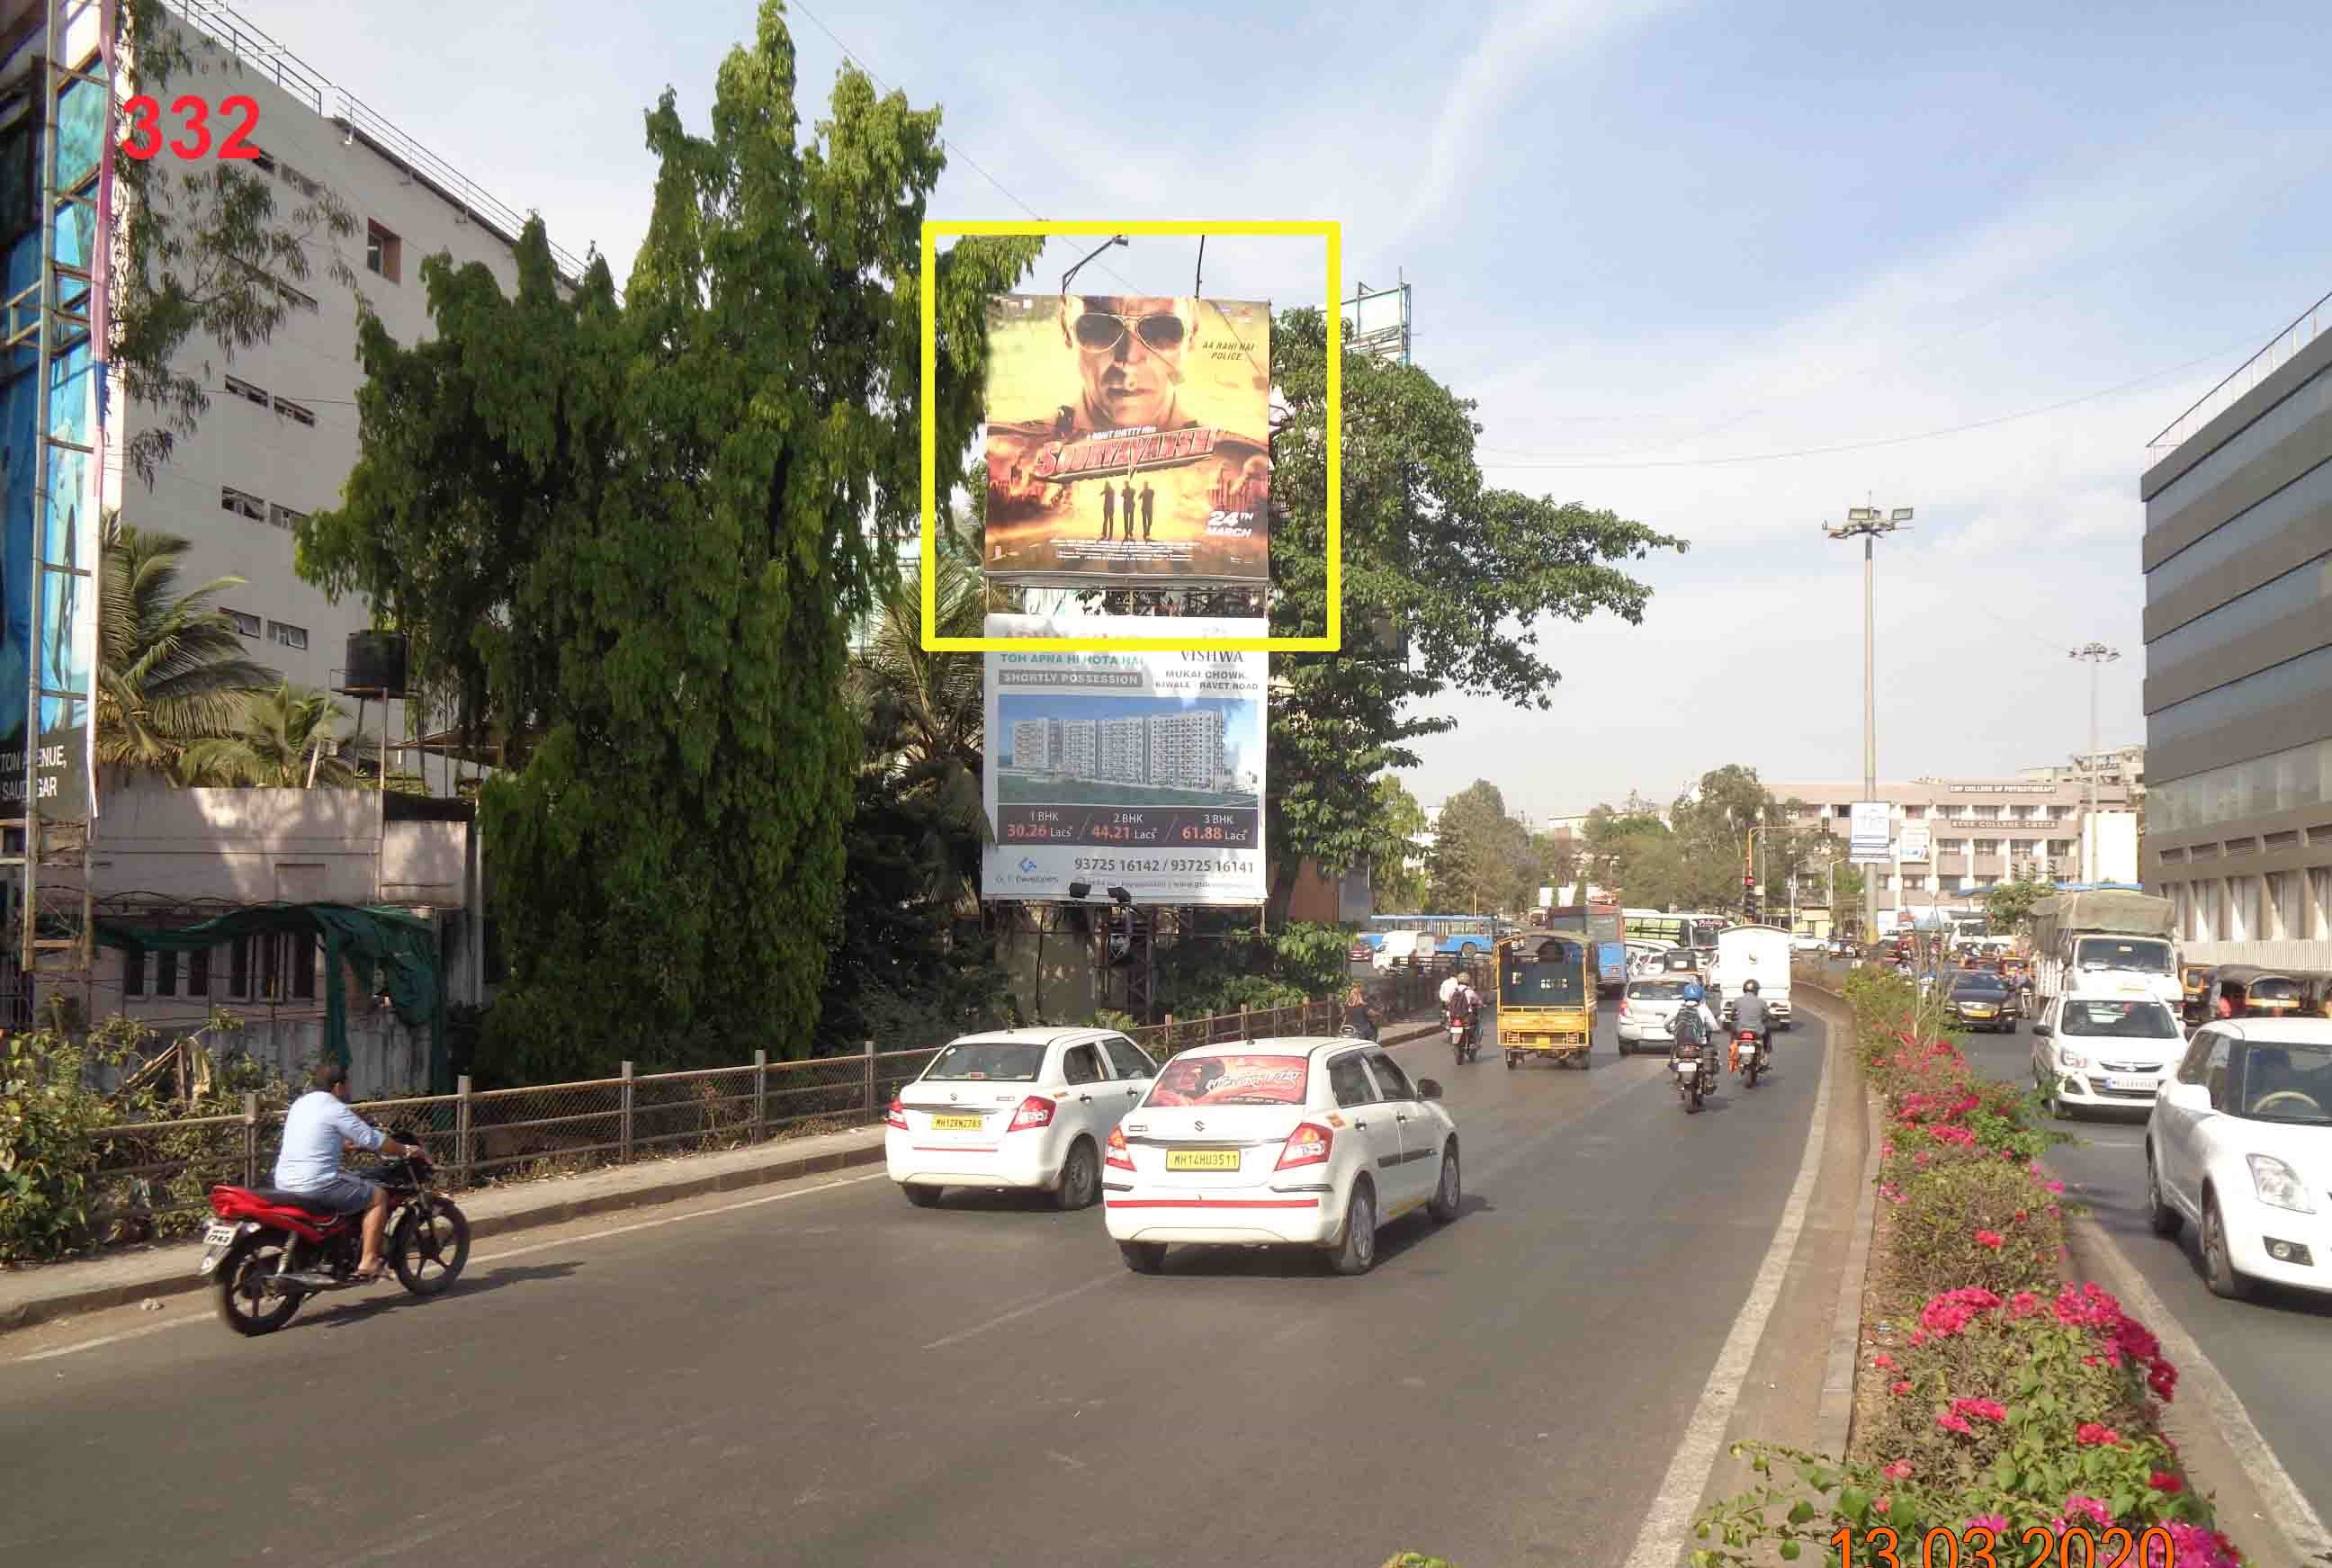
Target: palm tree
<point>290,739</point>
<point>171,670</point>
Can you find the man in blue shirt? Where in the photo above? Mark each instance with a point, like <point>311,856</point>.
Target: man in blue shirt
<point>317,1131</point>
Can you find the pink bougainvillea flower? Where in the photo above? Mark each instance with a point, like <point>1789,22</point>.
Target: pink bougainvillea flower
<point>1880,1505</point>
<point>1989,1409</point>
<point>2023,1303</point>
<point>1903,1387</point>
<point>1955,1424</point>
<point>1882,1360</point>
<point>2053,1186</point>
<point>1991,1238</point>
<point>1900,1470</point>
<point>2091,1508</point>
<point>1993,1522</point>
<point>2095,1434</point>
<point>2163,1481</point>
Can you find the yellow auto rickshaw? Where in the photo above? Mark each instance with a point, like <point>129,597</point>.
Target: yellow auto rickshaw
<point>2195,980</point>
<point>2266,993</point>
<point>1546,1000</point>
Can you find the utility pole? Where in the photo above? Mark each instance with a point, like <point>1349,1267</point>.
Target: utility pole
<point>1864,523</point>
<point>2093,654</point>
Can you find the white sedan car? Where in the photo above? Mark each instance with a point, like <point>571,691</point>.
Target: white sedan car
<point>2095,1052</point>
<point>1288,1143</point>
<point>1027,1108</point>
<point>2240,1144</point>
<point>1646,1010</point>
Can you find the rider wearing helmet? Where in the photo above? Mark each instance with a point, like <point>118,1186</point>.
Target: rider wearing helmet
<point>1693,1009</point>
<point>1749,1013</point>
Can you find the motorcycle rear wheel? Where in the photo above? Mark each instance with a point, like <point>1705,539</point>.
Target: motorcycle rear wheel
<point>243,1304</point>
<point>430,1249</point>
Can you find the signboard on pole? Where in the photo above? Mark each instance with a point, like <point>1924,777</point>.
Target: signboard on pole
<point>1128,441</point>
<point>1869,826</point>
<point>1914,845</point>
<point>1140,771</point>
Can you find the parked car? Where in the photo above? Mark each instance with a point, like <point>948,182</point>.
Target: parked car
<point>1014,1108</point>
<point>1279,1142</point>
<point>1808,944</point>
<point>1647,1010</point>
<point>2095,1051</point>
<point>2240,1143</point>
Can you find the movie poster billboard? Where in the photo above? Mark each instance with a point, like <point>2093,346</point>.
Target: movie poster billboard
<point>1143,771</point>
<point>1128,441</point>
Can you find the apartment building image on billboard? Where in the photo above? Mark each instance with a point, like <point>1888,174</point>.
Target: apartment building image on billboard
<point>1183,751</point>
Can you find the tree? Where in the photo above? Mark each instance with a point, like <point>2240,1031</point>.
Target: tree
<point>171,671</point>
<point>288,738</point>
<point>2009,904</point>
<point>1846,906</point>
<point>1481,857</point>
<point>637,533</point>
<point>1396,874</point>
<point>1471,573</point>
<point>1614,847</point>
<point>1557,857</point>
<point>204,256</point>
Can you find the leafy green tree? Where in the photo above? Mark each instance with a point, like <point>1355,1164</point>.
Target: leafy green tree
<point>171,671</point>
<point>1472,574</point>
<point>2009,904</point>
<point>635,535</point>
<point>205,256</point>
<point>1557,857</point>
<point>1614,848</point>
<point>288,738</point>
<point>1396,869</point>
<point>1482,857</point>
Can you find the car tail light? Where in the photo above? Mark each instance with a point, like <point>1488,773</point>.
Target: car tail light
<point>1307,1146</point>
<point>896,1117</point>
<point>1118,1156</point>
<point>1035,1111</point>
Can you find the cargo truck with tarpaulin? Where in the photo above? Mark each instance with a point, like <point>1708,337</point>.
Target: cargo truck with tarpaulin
<point>2094,940</point>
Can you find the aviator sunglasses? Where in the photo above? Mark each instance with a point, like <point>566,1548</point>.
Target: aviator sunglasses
<point>1101,331</point>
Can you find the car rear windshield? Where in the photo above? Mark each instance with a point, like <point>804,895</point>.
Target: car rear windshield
<point>1232,1080</point>
<point>1656,991</point>
<point>989,1061</point>
<point>1982,985</point>
<point>2121,1020</point>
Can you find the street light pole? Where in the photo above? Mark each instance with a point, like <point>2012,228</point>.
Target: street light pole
<point>2093,654</point>
<point>1864,523</point>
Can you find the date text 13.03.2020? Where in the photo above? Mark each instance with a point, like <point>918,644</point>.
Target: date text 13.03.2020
<point>1981,1546</point>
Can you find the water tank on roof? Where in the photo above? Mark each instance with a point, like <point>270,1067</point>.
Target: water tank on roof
<point>376,666</point>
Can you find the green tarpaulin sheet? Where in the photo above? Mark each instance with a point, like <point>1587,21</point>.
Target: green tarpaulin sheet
<point>386,949</point>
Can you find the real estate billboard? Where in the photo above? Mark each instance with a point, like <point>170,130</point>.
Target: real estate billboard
<point>1129,440</point>
<point>1142,772</point>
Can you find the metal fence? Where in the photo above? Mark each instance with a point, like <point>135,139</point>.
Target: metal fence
<point>154,1178</point>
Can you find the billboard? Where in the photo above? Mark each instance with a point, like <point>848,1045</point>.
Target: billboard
<point>1128,441</point>
<point>1870,825</point>
<point>1143,771</point>
<point>1914,844</point>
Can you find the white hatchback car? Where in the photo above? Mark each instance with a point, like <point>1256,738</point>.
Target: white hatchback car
<point>1647,1007</point>
<point>1286,1142</point>
<point>1028,1108</point>
<point>2240,1144</point>
<point>2095,1052</point>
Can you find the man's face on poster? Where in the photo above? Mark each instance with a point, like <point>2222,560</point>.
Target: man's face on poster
<point>1129,357</point>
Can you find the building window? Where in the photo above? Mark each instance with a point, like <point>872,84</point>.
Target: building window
<point>165,974</point>
<point>1914,813</point>
<point>243,503</point>
<point>2060,813</point>
<point>2061,846</point>
<point>1952,845</point>
<point>1986,881</point>
<point>133,973</point>
<point>384,252</point>
<point>238,968</point>
<point>1987,846</point>
<point>1912,883</point>
<point>247,624</point>
<point>1985,813</point>
<point>304,966</point>
<point>301,183</point>
<point>198,973</point>
<point>283,517</point>
<point>262,161</point>
<point>287,635</point>
<point>297,412</point>
<point>1886,882</point>
<point>246,391</point>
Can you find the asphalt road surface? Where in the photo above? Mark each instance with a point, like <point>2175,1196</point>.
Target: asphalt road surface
<point>2271,1350</point>
<point>825,1375</point>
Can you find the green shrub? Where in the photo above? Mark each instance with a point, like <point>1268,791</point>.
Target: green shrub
<point>48,1160</point>
<point>1973,1222</point>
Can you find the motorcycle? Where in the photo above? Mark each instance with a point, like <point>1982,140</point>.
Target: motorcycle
<point>1694,1067</point>
<point>1748,1055</point>
<point>1465,1040</point>
<point>268,1253</point>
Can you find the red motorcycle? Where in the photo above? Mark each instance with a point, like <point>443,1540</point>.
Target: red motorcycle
<point>269,1252</point>
<point>1748,1055</point>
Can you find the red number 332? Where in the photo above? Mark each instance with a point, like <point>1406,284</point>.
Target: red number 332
<point>145,139</point>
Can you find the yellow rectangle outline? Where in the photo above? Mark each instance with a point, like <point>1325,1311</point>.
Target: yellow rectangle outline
<point>1331,231</point>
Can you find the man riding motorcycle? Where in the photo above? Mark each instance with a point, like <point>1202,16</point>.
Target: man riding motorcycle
<point>1694,1023</point>
<point>1749,1014</point>
<point>317,1130</point>
<point>1463,1008</point>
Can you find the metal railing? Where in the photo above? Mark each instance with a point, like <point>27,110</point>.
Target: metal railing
<point>2245,377</point>
<point>153,1179</point>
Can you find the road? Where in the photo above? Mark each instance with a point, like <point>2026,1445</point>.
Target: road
<point>2271,1351</point>
<point>824,1374</point>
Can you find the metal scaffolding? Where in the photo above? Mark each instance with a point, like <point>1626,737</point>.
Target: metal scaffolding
<point>61,316</point>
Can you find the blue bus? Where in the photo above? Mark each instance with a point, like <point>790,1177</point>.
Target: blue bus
<point>1466,938</point>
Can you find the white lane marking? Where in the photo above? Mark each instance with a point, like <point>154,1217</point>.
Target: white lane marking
<point>1001,1318</point>
<point>2287,1507</point>
<point>615,1230</point>
<point>1667,1522</point>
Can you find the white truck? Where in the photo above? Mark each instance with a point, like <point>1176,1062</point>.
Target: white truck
<point>2105,939</point>
<point>1758,952</point>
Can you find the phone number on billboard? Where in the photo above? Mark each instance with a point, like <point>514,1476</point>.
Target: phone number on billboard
<point>1228,862</point>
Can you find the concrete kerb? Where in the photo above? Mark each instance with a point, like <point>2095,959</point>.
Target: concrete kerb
<point>1834,1414</point>
<point>51,1291</point>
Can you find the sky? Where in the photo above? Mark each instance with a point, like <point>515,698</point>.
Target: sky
<point>1725,269</point>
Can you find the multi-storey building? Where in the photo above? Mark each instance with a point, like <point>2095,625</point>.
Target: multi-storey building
<point>1037,745</point>
<point>1081,748</point>
<point>1124,753</point>
<point>1186,748</point>
<point>2125,766</point>
<point>2238,561</point>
